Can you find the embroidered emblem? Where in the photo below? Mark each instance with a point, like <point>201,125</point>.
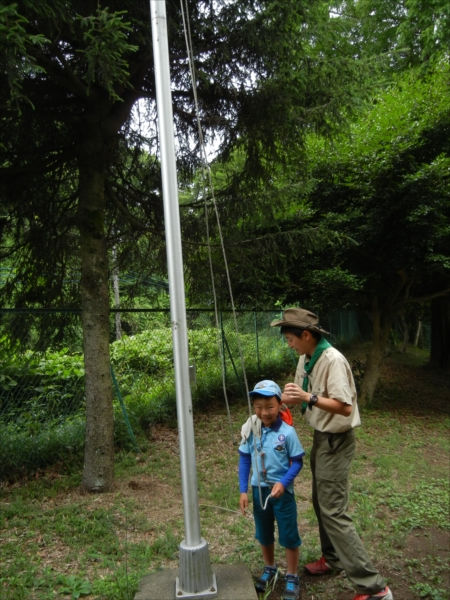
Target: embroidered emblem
<point>281,437</point>
<point>279,448</point>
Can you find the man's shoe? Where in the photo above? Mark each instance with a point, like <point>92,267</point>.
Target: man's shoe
<point>263,582</point>
<point>292,588</point>
<point>385,594</point>
<point>320,567</point>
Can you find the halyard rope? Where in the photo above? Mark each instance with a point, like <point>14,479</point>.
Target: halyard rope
<point>206,178</point>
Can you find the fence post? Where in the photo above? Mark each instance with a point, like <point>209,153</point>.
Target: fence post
<point>124,410</point>
<point>234,366</point>
<point>257,341</point>
<point>222,333</point>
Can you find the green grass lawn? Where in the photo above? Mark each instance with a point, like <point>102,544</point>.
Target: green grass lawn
<point>56,542</point>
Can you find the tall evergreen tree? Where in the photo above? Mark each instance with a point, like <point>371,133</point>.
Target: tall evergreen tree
<point>75,176</point>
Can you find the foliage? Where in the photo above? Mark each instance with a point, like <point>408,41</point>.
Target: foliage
<point>74,586</point>
<point>23,452</point>
<point>50,387</point>
<point>387,187</point>
<point>106,38</point>
<point>42,397</point>
<point>401,34</point>
<point>425,590</point>
<point>16,52</point>
<point>78,178</point>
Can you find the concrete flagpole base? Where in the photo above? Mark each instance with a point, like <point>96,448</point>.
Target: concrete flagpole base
<point>196,579</point>
<point>234,582</point>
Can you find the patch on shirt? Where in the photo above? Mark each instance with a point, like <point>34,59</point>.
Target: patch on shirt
<point>281,437</point>
<point>280,448</point>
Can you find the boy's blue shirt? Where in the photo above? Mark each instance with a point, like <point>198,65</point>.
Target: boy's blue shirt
<point>281,446</point>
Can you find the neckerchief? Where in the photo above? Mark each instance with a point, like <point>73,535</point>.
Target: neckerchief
<point>321,346</point>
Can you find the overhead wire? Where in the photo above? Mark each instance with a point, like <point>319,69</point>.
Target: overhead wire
<point>206,176</point>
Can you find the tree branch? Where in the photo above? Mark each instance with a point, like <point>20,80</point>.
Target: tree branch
<point>135,223</point>
<point>425,298</point>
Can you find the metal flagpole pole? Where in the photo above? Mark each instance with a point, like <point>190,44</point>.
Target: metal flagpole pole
<point>196,579</point>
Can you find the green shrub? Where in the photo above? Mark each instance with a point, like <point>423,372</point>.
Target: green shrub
<point>22,452</point>
<point>42,397</point>
<point>35,389</point>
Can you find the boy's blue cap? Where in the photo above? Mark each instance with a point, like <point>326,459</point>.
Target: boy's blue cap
<point>266,388</point>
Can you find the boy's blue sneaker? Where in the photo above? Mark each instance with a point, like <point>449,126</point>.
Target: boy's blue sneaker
<point>292,588</point>
<point>263,582</point>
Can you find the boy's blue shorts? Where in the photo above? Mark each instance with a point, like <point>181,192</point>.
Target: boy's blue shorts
<point>283,510</point>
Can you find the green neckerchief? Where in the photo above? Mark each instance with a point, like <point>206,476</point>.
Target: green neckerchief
<point>321,346</point>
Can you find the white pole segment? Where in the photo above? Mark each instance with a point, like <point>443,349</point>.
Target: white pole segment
<point>195,576</point>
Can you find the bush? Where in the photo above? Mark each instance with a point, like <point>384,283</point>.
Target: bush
<point>36,389</point>
<point>42,397</point>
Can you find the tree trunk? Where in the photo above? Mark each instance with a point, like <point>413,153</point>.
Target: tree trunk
<point>98,471</point>
<point>405,333</point>
<point>381,328</point>
<point>418,332</point>
<point>440,333</point>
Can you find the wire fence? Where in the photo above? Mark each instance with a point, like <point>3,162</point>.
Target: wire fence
<point>42,393</point>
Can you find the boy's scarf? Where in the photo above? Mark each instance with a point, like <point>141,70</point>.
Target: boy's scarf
<point>253,424</point>
<point>321,346</point>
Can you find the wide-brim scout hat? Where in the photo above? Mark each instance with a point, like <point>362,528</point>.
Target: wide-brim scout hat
<point>300,318</point>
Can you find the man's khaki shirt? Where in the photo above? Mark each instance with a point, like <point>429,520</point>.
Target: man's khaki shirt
<point>331,377</point>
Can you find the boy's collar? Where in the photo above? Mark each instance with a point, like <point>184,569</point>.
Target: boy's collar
<point>276,426</point>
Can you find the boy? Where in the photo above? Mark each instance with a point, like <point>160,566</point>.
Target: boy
<point>276,457</point>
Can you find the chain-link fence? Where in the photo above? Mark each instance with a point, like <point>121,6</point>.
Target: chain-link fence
<point>42,396</point>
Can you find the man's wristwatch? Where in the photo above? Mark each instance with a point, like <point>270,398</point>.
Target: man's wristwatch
<point>312,400</point>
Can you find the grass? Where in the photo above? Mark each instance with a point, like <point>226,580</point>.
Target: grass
<point>56,542</point>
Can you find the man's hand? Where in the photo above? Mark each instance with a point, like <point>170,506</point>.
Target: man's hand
<point>243,502</point>
<point>277,490</point>
<point>293,394</point>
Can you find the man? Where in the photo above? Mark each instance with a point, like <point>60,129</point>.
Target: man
<point>325,387</point>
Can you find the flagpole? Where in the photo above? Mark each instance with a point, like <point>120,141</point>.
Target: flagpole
<point>196,579</point>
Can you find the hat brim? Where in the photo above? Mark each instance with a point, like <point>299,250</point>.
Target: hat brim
<point>262,392</point>
<point>300,325</point>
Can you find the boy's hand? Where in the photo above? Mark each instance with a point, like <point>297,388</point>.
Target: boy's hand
<point>277,490</point>
<point>243,502</point>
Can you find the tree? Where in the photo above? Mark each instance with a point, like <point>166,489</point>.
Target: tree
<point>76,178</point>
<point>404,34</point>
<point>387,187</point>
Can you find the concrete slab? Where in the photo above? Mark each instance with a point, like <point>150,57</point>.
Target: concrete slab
<point>234,582</point>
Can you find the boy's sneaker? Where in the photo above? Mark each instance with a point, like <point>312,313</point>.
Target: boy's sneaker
<point>263,582</point>
<point>320,567</point>
<point>292,588</point>
<point>385,594</point>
